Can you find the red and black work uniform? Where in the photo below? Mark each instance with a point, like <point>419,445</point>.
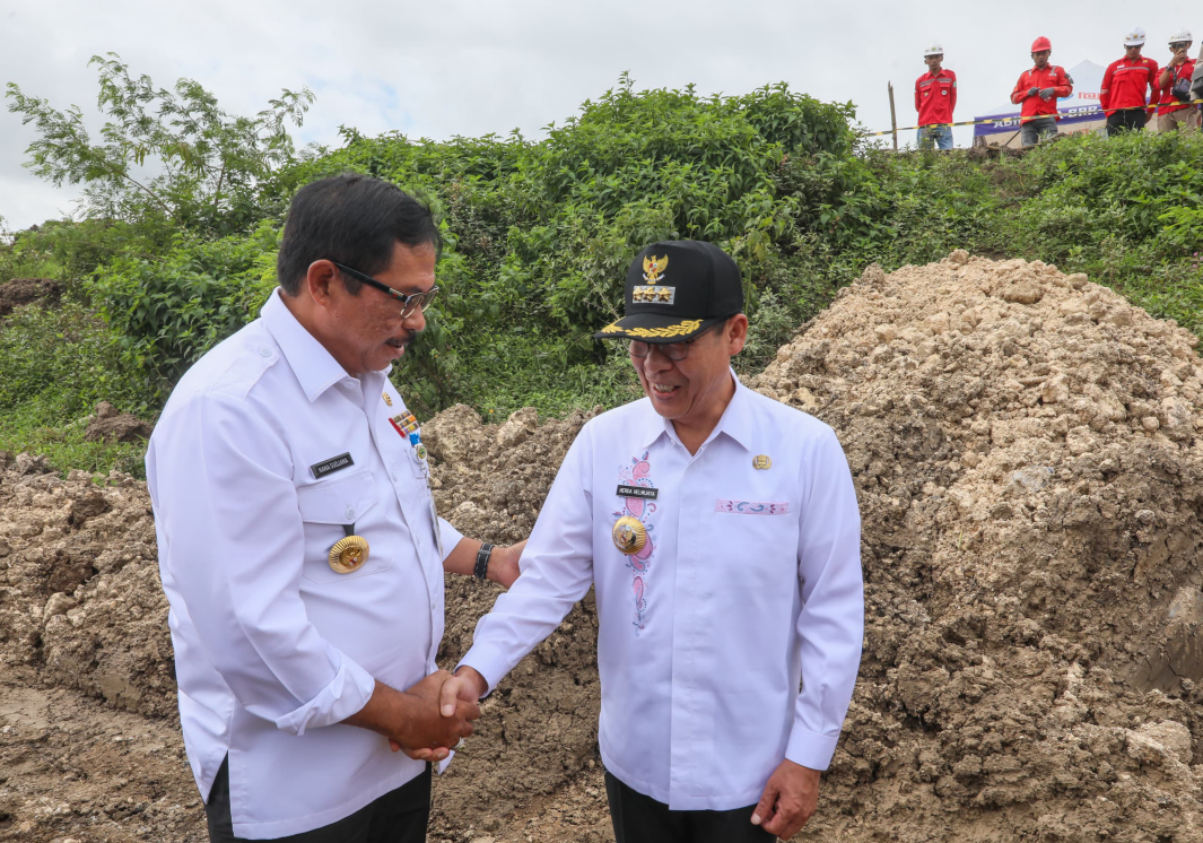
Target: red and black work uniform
<point>1168,102</point>
<point>1125,83</point>
<point>936,97</point>
<point>1050,76</point>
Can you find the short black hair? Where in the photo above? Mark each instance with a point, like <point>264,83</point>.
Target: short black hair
<point>352,219</point>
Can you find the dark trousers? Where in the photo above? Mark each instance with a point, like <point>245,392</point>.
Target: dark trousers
<point>641,819</point>
<point>1127,120</point>
<point>1036,130</point>
<point>399,816</point>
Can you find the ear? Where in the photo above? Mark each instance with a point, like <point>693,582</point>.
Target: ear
<point>736,333</point>
<point>318,278</point>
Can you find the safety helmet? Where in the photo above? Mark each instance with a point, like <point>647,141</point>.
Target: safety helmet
<point>1179,37</point>
<point>1135,38</point>
<point>933,50</point>
<point>1040,44</point>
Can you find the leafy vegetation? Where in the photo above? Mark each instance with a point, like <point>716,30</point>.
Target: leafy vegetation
<point>538,235</point>
<point>173,154</point>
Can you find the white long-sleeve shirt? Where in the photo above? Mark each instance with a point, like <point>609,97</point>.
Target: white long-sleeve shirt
<point>273,648</point>
<point>750,584</point>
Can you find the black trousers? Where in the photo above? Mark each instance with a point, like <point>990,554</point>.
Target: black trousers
<point>641,819</point>
<point>399,816</point>
<point>1128,120</point>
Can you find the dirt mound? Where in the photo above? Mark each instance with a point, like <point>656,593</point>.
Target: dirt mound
<point>108,425</point>
<point>21,291</point>
<point>1027,451</point>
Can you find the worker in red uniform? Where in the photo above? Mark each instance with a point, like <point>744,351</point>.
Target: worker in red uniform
<point>1039,89</point>
<point>935,98</point>
<point>1124,85</point>
<point>1174,112</point>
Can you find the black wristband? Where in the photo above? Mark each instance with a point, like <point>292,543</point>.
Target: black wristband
<point>481,569</point>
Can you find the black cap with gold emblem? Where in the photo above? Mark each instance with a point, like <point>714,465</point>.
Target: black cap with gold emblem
<point>675,290</point>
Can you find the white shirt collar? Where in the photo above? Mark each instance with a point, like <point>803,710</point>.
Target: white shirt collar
<point>314,366</point>
<point>736,421</point>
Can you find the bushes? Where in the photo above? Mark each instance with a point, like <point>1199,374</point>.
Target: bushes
<point>55,365</point>
<point>538,236</point>
<point>166,313</point>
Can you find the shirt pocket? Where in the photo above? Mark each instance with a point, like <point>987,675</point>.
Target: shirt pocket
<point>764,528</point>
<point>327,509</point>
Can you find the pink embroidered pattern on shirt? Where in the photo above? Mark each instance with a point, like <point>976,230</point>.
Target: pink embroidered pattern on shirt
<point>636,474</point>
<point>752,507</point>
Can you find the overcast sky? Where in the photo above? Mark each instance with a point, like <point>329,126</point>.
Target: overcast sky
<point>470,67</point>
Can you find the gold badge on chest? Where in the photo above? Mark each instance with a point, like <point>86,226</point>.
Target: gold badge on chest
<point>348,554</point>
<point>629,534</point>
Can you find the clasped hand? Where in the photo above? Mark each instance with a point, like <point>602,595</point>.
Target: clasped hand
<point>430,733</point>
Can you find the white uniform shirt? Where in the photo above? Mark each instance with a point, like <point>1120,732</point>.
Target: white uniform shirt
<point>749,583</point>
<point>272,647</point>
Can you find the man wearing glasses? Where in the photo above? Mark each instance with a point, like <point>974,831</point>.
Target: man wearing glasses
<point>298,544</point>
<point>720,530</point>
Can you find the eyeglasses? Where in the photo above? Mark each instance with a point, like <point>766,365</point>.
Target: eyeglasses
<point>674,351</point>
<point>1179,45</point>
<point>409,302</point>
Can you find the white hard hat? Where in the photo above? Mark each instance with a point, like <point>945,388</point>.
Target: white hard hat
<point>933,50</point>
<point>1135,38</point>
<point>1179,37</point>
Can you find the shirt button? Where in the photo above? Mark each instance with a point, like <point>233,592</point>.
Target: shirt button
<point>350,515</point>
<point>265,352</point>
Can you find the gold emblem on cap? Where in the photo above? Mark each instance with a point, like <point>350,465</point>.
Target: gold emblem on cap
<point>348,554</point>
<point>762,462</point>
<point>654,267</point>
<point>630,536</point>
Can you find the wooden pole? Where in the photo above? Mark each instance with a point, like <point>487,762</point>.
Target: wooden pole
<point>893,117</point>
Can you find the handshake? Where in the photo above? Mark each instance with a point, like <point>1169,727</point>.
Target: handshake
<point>427,720</point>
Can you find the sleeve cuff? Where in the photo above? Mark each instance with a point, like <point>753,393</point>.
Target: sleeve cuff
<point>811,749</point>
<point>449,536</point>
<point>346,693</point>
<point>492,665</point>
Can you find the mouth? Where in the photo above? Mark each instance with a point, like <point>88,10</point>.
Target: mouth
<point>400,343</point>
<point>662,390</point>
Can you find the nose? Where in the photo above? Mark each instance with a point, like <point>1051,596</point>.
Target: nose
<point>656,360</point>
<point>416,321</point>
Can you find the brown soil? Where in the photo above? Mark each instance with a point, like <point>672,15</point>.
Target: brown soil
<point>1028,452</point>
<point>21,291</point>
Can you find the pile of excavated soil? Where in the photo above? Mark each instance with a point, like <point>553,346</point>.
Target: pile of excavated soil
<point>1027,451</point>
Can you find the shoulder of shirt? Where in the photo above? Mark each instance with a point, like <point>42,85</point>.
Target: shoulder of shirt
<point>233,368</point>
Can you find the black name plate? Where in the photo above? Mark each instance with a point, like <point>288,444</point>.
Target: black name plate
<point>638,492</point>
<point>321,469</point>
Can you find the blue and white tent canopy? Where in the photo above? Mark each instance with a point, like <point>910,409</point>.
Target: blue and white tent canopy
<point>1081,107</point>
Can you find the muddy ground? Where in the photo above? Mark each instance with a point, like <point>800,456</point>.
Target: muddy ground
<point>1028,453</point>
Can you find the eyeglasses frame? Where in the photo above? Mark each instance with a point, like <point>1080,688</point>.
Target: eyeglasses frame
<point>410,302</point>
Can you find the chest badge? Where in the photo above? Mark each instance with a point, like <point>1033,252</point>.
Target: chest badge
<point>762,462</point>
<point>348,554</point>
<point>629,534</point>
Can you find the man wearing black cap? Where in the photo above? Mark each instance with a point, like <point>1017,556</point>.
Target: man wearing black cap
<point>721,532</point>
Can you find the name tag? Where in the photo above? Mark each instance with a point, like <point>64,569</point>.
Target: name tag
<point>321,469</point>
<point>637,492</point>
